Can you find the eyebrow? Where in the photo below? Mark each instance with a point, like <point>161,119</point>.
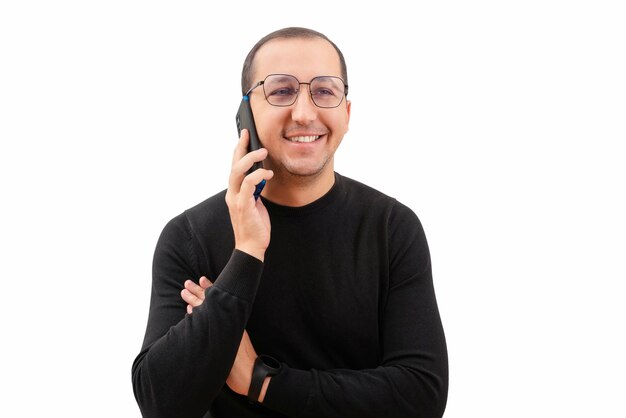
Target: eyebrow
<point>282,77</point>
<point>335,80</point>
<point>329,77</point>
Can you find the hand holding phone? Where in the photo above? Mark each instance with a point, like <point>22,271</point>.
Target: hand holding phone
<point>245,120</point>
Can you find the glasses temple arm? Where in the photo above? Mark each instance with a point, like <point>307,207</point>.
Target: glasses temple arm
<point>260,83</point>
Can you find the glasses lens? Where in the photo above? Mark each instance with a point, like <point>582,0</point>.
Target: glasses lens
<point>327,91</point>
<point>281,90</point>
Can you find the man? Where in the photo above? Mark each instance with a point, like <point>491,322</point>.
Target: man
<point>322,303</point>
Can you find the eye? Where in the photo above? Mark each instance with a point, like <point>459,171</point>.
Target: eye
<point>283,91</point>
<point>324,92</point>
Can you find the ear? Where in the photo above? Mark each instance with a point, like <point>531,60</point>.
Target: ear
<point>348,107</point>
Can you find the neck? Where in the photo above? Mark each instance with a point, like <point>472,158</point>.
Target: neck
<point>289,190</point>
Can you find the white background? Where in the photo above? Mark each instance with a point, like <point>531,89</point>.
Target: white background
<point>500,123</point>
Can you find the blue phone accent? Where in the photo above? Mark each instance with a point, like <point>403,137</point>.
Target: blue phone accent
<point>259,189</point>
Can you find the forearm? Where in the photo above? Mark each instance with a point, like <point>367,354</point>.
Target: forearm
<point>181,372</point>
<point>388,391</point>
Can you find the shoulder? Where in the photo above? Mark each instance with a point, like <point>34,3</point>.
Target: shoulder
<point>376,206</point>
<point>211,213</point>
<point>213,208</point>
<point>356,192</point>
<point>361,194</point>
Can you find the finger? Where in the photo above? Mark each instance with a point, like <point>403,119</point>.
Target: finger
<point>242,166</point>
<point>241,148</point>
<point>195,289</point>
<point>193,294</point>
<point>191,298</point>
<point>205,283</point>
<point>185,295</point>
<point>248,186</point>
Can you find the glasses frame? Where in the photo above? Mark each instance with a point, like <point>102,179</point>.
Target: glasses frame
<point>262,82</point>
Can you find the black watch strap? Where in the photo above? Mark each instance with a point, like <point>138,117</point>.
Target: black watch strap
<point>264,366</point>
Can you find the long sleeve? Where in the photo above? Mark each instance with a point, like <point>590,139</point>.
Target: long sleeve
<point>344,299</point>
<point>185,359</point>
<point>411,379</point>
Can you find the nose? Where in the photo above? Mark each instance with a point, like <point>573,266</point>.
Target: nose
<point>304,110</point>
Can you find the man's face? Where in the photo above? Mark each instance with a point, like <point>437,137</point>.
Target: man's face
<point>281,129</point>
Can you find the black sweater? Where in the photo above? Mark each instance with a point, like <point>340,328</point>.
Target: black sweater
<point>344,299</point>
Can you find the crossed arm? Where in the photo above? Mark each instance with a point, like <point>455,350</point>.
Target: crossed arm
<point>241,374</point>
<point>185,364</point>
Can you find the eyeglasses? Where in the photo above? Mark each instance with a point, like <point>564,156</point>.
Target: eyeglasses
<point>283,90</point>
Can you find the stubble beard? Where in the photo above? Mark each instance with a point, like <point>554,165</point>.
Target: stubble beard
<point>288,172</point>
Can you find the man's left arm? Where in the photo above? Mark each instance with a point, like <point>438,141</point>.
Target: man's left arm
<point>412,378</point>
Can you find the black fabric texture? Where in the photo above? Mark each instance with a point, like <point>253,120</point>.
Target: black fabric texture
<point>344,299</point>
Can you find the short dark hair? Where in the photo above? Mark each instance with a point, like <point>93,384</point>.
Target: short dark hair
<point>292,32</point>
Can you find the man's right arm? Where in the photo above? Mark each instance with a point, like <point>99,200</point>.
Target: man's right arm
<point>186,359</point>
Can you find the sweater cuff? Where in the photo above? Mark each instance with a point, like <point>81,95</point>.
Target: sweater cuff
<point>241,275</point>
<point>289,391</point>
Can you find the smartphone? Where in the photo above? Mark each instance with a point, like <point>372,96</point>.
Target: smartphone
<point>245,120</point>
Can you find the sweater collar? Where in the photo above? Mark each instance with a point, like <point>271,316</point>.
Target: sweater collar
<point>331,196</point>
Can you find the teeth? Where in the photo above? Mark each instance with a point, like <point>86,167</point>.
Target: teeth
<point>304,138</point>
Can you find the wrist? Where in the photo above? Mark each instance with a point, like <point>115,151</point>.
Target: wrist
<point>266,383</point>
<point>258,253</point>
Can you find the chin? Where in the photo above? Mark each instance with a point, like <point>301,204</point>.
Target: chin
<point>299,170</point>
<point>302,167</point>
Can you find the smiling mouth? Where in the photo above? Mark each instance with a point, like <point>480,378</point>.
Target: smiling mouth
<point>304,139</point>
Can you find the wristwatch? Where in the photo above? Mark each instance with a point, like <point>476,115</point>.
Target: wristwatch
<point>264,366</point>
